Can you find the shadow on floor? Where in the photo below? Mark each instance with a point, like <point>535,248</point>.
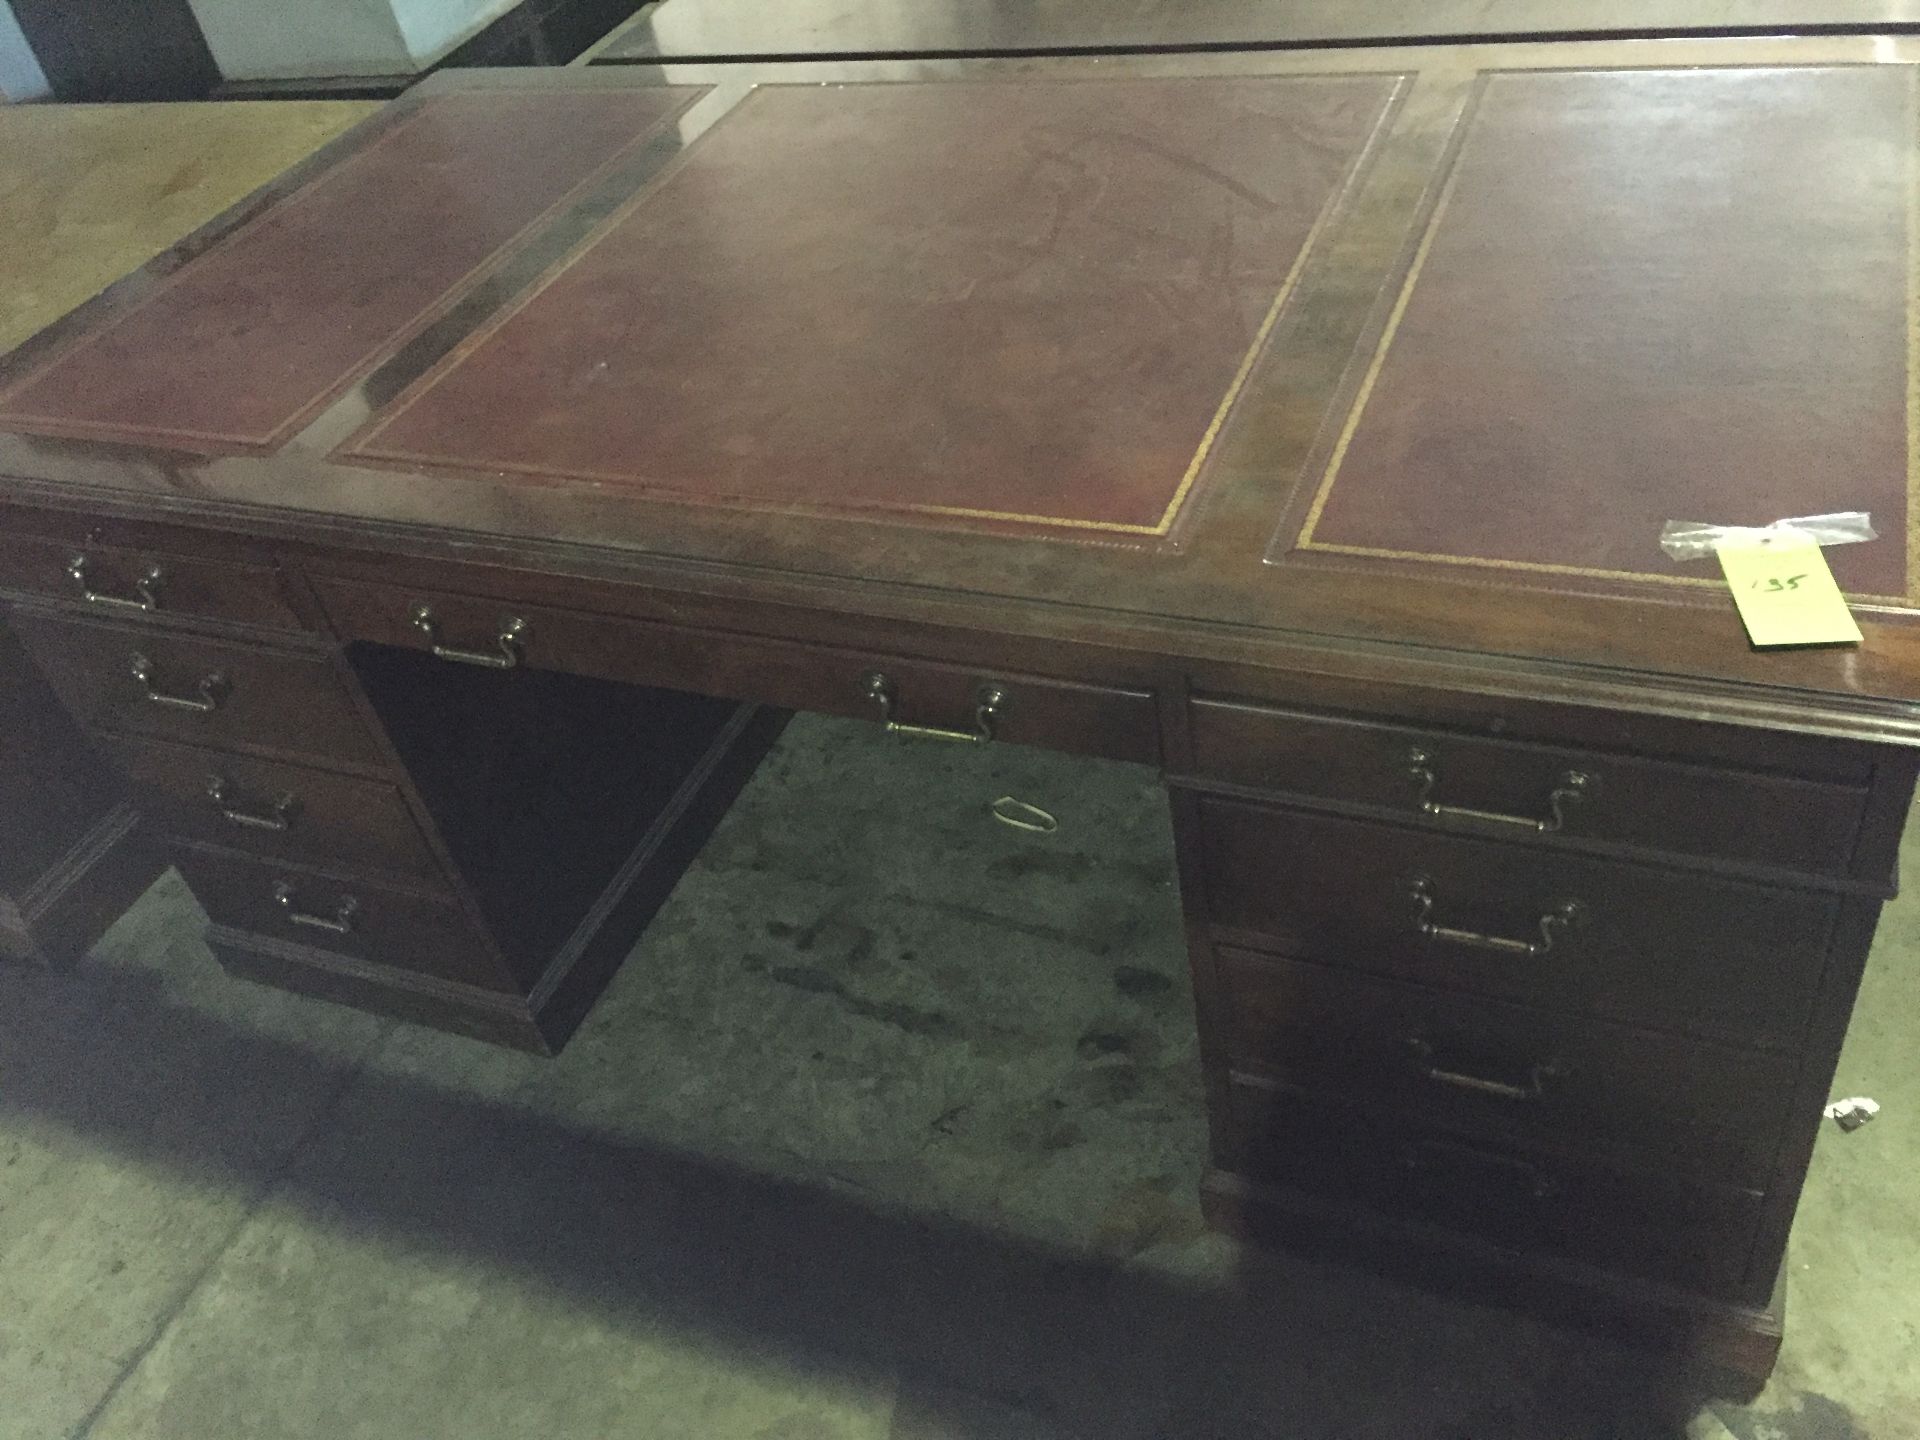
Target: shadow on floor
<point>988,1334</point>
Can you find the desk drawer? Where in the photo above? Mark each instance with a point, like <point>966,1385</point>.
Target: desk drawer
<point>1505,1072</point>
<point>131,680</point>
<point>1057,714</point>
<point>1507,788</point>
<point>361,921</point>
<point>277,811</point>
<point>1647,1223</point>
<point>129,581</point>
<point>1706,956</point>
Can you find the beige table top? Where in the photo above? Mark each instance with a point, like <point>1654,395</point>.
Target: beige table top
<point>90,192</point>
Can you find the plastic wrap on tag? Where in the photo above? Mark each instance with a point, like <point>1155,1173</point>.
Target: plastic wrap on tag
<point>1853,1112</point>
<point>1694,539</point>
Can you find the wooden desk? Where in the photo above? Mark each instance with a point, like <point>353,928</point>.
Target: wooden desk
<point>86,194</point>
<point>1302,424</point>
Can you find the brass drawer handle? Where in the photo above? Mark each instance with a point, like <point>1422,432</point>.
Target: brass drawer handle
<point>278,819</point>
<point>1574,786</point>
<point>206,697</point>
<point>989,699</point>
<point>339,923</point>
<point>146,589</point>
<point>1567,915</point>
<point>513,632</point>
<point>1536,1085</point>
<point>1422,1155</point>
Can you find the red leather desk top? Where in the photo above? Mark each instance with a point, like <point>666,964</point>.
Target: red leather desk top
<point>1412,347</point>
<point>1643,297</point>
<point>992,302</point>
<point>250,340</point>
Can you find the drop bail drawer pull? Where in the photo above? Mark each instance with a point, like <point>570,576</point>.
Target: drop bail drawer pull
<point>513,631</point>
<point>338,923</point>
<point>1574,786</point>
<point>1535,1087</point>
<point>279,818</point>
<point>1566,915</point>
<point>988,701</point>
<point>146,589</point>
<point>207,697</point>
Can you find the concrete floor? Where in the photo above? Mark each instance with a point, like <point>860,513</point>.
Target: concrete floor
<point>888,1129</point>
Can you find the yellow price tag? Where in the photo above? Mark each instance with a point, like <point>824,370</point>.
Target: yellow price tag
<point>1785,593</point>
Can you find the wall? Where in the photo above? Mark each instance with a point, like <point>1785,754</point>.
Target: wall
<point>882,24</point>
<point>433,27</point>
<point>288,39</point>
<point>275,39</point>
<point>20,76</point>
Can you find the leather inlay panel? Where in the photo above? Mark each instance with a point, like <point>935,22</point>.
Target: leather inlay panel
<point>242,346</point>
<point>1023,304</point>
<point>1588,345</point>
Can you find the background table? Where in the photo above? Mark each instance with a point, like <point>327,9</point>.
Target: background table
<point>88,193</point>
<point>679,31</point>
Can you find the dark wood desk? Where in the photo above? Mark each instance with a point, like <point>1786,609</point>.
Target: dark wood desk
<point>437,539</point>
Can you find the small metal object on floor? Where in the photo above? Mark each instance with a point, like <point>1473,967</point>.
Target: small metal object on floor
<point>1010,810</point>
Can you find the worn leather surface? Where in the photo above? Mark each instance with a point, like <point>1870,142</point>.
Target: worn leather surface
<point>985,303</point>
<point>246,342</point>
<point>1593,343</point>
<point>89,192</point>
